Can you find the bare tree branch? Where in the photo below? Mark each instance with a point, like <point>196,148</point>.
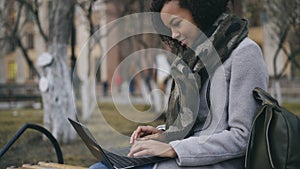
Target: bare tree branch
<point>285,27</point>
<point>291,56</point>
<point>15,29</point>
<point>37,18</point>
<point>35,11</point>
<point>14,35</point>
<point>283,69</point>
<point>279,47</point>
<point>73,42</point>
<point>25,54</point>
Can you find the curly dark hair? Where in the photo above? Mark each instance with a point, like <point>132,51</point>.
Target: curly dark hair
<point>204,13</point>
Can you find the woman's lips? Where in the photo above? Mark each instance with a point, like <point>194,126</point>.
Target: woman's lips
<point>183,42</point>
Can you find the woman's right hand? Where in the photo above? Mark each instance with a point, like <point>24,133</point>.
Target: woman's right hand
<point>145,132</point>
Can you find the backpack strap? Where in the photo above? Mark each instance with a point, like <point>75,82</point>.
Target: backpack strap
<point>208,94</point>
<point>268,119</point>
<point>262,96</point>
<point>258,144</point>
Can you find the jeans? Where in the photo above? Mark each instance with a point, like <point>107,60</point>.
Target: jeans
<point>102,166</point>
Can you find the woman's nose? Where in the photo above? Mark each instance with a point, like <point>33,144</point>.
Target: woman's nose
<point>175,34</point>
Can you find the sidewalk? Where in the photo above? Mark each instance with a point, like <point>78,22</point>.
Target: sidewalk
<point>122,99</point>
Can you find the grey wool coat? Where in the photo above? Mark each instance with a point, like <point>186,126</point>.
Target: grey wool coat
<point>222,145</point>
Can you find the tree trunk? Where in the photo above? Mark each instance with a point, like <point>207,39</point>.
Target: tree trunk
<point>236,7</point>
<point>88,104</point>
<point>56,87</point>
<point>157,97</point>
<point>278,91</point>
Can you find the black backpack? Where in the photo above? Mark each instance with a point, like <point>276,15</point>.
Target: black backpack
<point>274,140</point>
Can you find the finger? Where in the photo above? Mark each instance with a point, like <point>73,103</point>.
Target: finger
<point>150,137</point>
<point>136,136</point>
<point>137,146</point>
<point>142,148</point>
<point>132,137</point>
<point>131,152</point>
<point>142,153</point>
<point>140,131</point>
<point>146,129</point>
<point>137,132</point>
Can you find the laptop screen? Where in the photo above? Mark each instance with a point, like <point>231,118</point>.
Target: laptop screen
<point>111,160</point>
<point>91,143</point>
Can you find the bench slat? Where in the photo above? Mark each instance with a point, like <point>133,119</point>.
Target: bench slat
<point>45,165</point>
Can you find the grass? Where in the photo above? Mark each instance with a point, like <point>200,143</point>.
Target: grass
<point>293,107</point>
<point>125,125</point>
<point>12,120</point>
<point>31,148</point>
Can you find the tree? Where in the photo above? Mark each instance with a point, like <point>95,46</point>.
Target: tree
<point>95,39</point>
<point>55,81</point>
<point>54,77</point>
<point>284,18</point>
<point>57,94</point>
<point>12,25</point>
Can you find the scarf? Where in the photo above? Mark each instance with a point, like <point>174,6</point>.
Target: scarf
<point>192,68</point>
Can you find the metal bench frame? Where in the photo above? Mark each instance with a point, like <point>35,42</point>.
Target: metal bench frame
<point>37,128</point>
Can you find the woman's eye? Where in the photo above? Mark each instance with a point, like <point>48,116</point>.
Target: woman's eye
<point>176,24</point>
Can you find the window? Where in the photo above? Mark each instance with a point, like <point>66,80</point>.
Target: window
<point>29,15</point>
<point>11,14</point>
<point>31,75</point>
<point>12,71</point>
<point>12,45</point>
<point>30,40</point>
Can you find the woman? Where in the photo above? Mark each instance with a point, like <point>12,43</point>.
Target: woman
<point>216,135</point>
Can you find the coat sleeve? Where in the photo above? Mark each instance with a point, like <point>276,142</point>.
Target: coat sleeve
<point>247,71</point>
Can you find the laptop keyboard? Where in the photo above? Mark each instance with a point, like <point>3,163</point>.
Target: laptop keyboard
<point>117,161</point>
<point>123,161</point>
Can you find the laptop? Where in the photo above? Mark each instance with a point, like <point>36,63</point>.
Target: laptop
<point>111,160</point>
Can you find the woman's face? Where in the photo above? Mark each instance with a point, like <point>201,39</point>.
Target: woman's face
<point>181,23</point>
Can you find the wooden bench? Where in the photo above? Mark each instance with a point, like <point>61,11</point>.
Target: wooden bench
<point>19,92</point>
<point>46,165</point>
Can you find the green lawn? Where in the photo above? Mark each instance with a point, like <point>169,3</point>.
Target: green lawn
<point>31,148</point>
<point>12,120</point>
<point>293,107</point>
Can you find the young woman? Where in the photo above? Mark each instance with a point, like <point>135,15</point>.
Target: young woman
<point>216,135</point>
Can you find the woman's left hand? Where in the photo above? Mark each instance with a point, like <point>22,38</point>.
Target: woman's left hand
<point>152,147</point>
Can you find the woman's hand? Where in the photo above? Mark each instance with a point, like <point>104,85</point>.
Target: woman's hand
<point>152,147</point>
<point>145,133</point>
